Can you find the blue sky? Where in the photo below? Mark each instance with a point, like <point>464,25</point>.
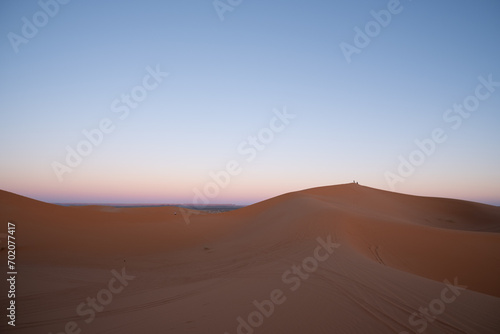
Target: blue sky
<point>226,81</point>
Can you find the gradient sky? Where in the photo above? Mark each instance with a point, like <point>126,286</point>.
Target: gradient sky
<point>226,81</point>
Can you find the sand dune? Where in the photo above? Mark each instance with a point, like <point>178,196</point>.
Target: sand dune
<point>339,259</point>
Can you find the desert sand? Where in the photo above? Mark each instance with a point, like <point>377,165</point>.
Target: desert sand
<point>337,259</point>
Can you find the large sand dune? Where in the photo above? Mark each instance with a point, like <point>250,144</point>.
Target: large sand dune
<point>340,259</point>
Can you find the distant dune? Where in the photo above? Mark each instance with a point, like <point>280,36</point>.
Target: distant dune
<point>337,259</point>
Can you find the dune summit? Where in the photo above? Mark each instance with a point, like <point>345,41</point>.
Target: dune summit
<point>337,259</point>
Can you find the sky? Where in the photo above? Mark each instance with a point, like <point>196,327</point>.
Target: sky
<point>237,101</point>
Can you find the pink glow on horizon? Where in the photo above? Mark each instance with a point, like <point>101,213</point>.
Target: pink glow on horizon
<point>239,191</point>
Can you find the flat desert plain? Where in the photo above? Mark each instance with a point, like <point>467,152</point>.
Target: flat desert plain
<point>336,259</point>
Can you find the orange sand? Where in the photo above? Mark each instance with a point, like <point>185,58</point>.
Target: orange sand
<point>200,273</point>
